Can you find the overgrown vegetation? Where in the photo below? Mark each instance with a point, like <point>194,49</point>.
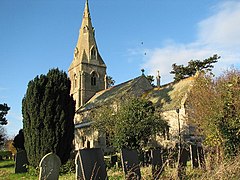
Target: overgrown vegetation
<point>48,111</point>
<point>130,123</point>
<point>215,109</point>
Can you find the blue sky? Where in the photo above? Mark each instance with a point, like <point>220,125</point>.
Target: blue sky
<point>36,36</point>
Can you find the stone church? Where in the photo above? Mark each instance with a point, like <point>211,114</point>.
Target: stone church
<point>89,88</point>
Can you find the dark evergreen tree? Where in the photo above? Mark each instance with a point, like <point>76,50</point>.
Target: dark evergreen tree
<point>48,112</point>
<point>3,121</point>
<point>110,81</point>
<point>151,79</point>
<point>193,66</point>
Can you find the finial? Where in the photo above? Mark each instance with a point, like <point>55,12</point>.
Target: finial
<point>158,79</point>
<point>86,10</point>
<point>142,71</point>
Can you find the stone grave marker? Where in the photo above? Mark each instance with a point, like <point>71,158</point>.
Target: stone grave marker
<point>21,162</point>
<point>114,160</point>
<point>194,156</point>
<point>49,167</point>
<point>90,164</point>
<point>156,158</point>
<point>130,164</point>
<point>182,162</point>
<point>78,173</point>
<point>201,157</point>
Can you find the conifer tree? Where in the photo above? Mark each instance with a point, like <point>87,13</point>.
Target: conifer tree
<point>181,71</point>
<point>48,112</point>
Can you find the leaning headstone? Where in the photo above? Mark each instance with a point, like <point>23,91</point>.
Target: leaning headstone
<point>91,165</point>
<point>49,167</point>
<point>130,164</point>
<point>194,156</point>
<point>21,162</point>
<point>156,158</point>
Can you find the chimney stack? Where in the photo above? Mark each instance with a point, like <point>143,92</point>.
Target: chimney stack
<point>158,79</point>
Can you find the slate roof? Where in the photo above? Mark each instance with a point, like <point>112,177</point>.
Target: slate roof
<point>136,86</point>
<point>171,96</point>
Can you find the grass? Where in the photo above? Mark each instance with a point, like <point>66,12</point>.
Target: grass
<point>224,171</point>
<point>7,173</point>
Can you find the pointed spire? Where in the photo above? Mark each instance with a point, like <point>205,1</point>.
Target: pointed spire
<point>86,10</point>
<point>86,49</point>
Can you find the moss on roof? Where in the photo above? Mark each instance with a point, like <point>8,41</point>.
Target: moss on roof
<point>170,96</point>
<point>136,86</point>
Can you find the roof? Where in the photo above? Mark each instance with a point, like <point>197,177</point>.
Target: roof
<point>171,96</point>
<point>136,86</point>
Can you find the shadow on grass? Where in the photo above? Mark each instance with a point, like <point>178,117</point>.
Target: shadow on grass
<point>8,165</point>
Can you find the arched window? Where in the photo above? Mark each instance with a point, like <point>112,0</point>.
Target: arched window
<point>93,79</point>
<point>74,81</point>
<point>93,53</point>
<point>85,29</point>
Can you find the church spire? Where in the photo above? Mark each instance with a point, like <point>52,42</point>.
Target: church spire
<point>86,50</point>
<point>87,71</point>
<point>86,10</point>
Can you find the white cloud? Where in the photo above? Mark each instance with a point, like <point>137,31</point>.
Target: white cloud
<point>217,34</point>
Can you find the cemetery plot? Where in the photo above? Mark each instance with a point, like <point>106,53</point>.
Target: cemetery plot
<point>90,164</point>
<point>21,162</point>
<point>130,164</point>
<point>49,167</point>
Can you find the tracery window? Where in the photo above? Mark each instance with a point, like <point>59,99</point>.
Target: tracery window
<point>93,53</point>
<point>93,79</point>
<point>74,81</point>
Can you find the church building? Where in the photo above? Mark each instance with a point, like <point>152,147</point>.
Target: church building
<point>89,88</point>
<point>87,71</point>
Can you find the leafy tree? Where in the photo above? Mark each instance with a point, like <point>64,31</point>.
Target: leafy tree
<point>215,109</point>
<point>131,124</point>
<point>181,71</point>
<point>48,112</point>
<point>110,81</point>
<point>229,121</point>
<point>3,121</point>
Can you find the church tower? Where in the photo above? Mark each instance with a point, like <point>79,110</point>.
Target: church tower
<point>87,71</point>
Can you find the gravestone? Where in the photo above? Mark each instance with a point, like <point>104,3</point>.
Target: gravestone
<point>90,164</point>
<point>182,163</point>
<point>183,157</point>
<point>194,156</point>
<point>21,162</point>
<point>156,158</point>
<point>147,158</point>
<point>78,173</point>
<point>113,160</point>
<point>130,164</point>
<point>201,157</point>
<point>49,167</point>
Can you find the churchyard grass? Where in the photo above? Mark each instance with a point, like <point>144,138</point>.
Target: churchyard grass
<point>7,173</point>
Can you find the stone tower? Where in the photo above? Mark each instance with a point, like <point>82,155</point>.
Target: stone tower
<point>87,71</point>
